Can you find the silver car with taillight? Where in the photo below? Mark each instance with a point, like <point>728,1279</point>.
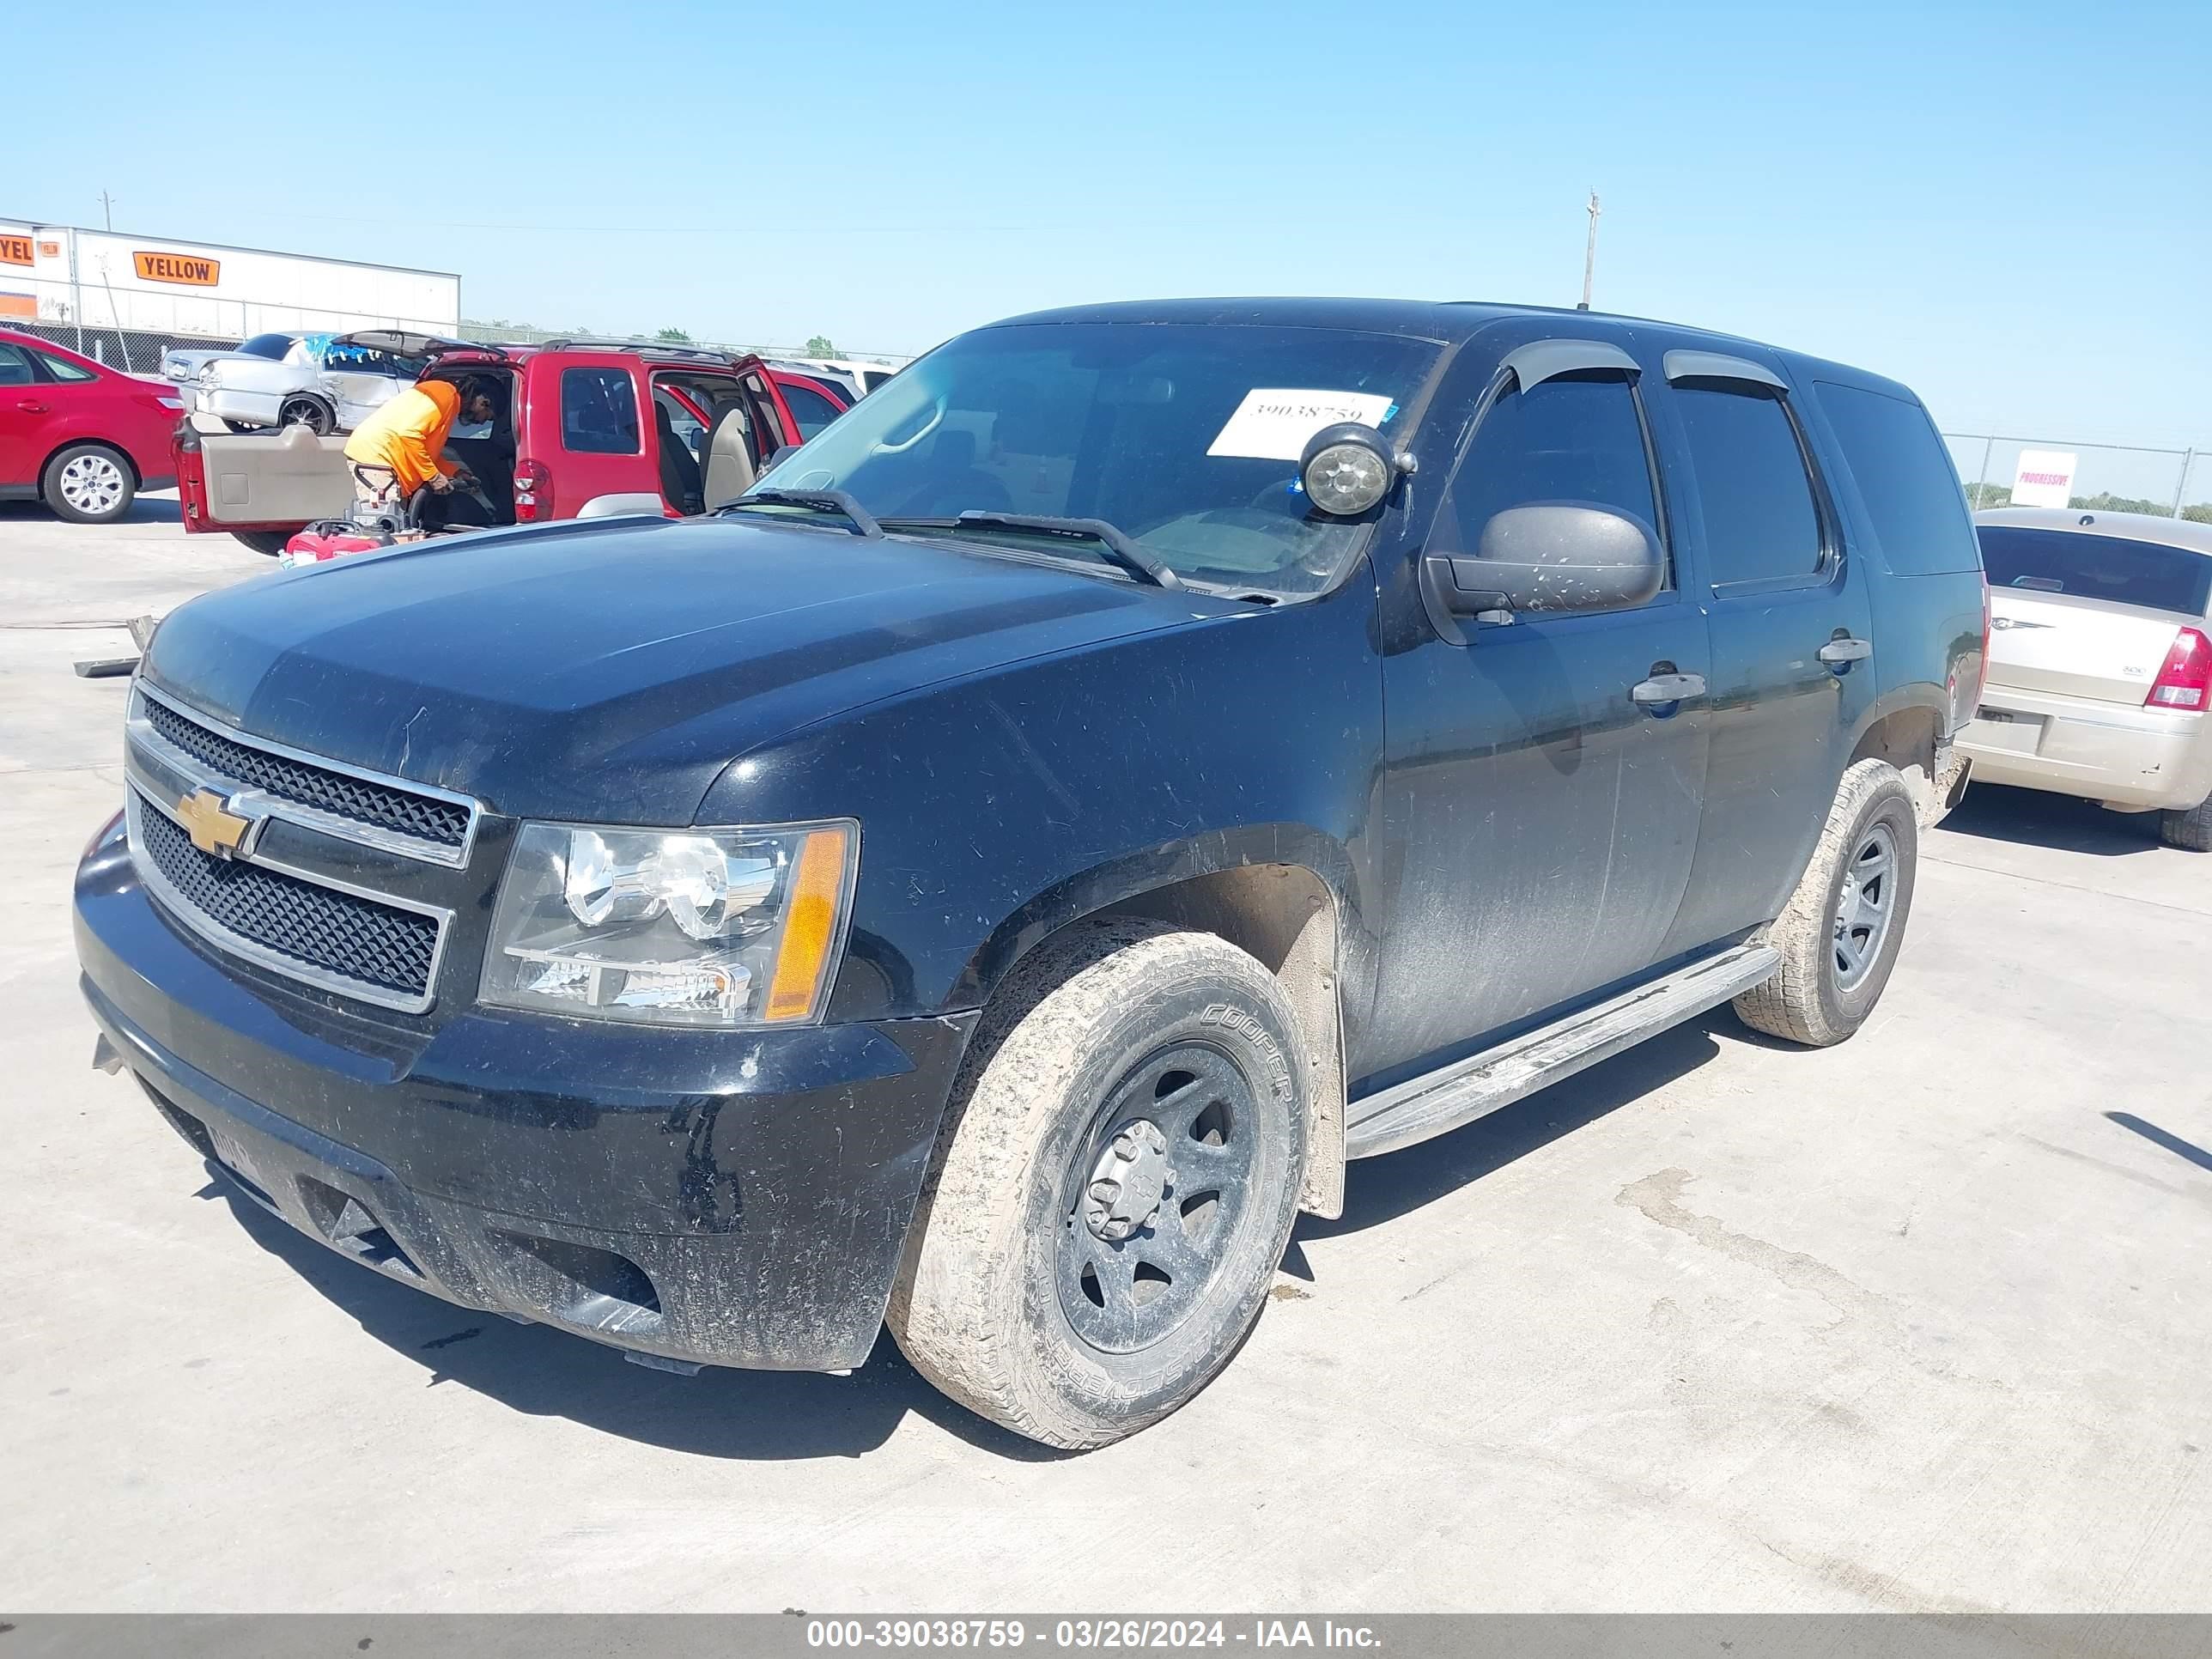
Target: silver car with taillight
<point>2099,663</point>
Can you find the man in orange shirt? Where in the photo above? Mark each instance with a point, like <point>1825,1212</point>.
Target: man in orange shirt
<point>400,449</point>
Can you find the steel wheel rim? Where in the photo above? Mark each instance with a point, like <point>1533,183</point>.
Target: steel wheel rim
<point>1120,1295</point>
<point>92,483</point>
<point>1865,907</point>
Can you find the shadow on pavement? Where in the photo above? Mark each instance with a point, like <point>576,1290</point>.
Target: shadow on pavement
<point>765,1416</point>
<point>2030,818</point>
<point>2158,1137</point>
<point>778,1415</point>
<point>154,509</point>
<point>1383,1189</point>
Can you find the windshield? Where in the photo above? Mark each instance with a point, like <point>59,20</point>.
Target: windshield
<point>1184,436</point>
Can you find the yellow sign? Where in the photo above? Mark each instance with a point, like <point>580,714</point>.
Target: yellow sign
<point>214,828</point>
<point>188,269</point>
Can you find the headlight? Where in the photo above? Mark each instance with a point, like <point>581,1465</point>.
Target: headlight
<point>720,928</point>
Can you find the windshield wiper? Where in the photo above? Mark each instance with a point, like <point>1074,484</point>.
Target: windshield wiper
<point>821,500</point>
<point>1120,550</point>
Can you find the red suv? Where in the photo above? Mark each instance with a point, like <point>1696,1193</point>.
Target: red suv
<point>83,437</point>
<point>582,429</point>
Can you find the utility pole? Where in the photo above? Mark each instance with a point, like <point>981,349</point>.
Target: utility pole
<point>1590,253</point>
<point>107,215</point>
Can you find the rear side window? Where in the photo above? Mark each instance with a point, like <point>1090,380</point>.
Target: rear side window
<point>16,366</point>
<point>808,407</point>
<point>1905,478</point>
<point>1571,438</point>
<point>62,369</point>
<point>2115,567</point>
<point>1761,520</point>
<point>598,412</point>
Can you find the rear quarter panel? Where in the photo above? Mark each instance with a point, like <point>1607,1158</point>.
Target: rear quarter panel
<point>1926,600</point>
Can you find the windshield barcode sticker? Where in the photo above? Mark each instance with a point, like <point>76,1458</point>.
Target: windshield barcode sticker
<point>1273,423</point>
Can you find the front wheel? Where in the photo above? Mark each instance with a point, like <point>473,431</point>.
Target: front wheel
<point>88,483</point>
<point>1842,929</point>
<point>1107,1210</point>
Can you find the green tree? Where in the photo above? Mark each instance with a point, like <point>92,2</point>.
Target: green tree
<point>1979,496</point>
<point>673,336</point>
<point>819,346</point>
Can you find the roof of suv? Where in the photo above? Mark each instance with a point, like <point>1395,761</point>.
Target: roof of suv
<point>2127,526</point>
<point>1448,322</point>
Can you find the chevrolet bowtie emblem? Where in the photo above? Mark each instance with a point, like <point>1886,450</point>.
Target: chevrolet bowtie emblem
<point>214,828</point>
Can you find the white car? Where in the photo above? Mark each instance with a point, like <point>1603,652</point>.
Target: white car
<point>856,378</point>
<point>2100,662</point>
<point>326,382</point>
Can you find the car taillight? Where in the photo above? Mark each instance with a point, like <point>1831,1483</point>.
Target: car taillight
<point>533,492</point>
<point>2186,679</point>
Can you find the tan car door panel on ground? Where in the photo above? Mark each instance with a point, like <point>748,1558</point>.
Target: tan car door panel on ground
<point>261,478</point>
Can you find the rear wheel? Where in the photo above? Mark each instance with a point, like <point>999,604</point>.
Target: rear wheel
<point>88,483</point>
<point>2191,831</point>
<point>270,542</point>
<point>1842,929</point>
<point>308,412</point>
<point>1106,1212</point>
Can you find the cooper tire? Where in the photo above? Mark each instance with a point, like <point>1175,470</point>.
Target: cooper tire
<point>269,542</point>
<point>1113,1025</point>
<point>1842,929</point>
<point>2189,830</point>
<point>88,483</point>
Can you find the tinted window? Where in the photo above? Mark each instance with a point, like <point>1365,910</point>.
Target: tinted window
<point>16,366</point>
<point>1760,521</point>
<point>62,369</point>
<point>808,407</point>
<point>2097,567</point>
<point>1905,478</point>
<point>598,412</point>
<point>1572,438</point>
<point>271,346</point>
<point>1186,436</point>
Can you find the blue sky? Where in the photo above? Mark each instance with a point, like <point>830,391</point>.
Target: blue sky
<point>2007,207</point>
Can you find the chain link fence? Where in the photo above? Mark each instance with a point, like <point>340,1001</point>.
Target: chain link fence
<point>2110,477</point>
<point>504,334</point>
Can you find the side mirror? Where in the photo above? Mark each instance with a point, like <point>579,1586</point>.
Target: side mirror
<point>1546,558</point>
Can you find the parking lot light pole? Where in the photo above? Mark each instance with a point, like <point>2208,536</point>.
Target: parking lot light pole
<point>1590,253</point>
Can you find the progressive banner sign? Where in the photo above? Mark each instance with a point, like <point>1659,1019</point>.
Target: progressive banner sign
<point>2045,478</point>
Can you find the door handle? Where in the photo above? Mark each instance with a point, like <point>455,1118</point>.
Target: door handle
<point>1845,649</point>
<point>1668,688</point>
<point>30,406</point>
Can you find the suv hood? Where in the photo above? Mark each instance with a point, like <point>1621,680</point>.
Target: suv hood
<point>610,672</point>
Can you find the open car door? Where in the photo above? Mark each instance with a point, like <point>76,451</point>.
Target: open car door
<point>263,480</point>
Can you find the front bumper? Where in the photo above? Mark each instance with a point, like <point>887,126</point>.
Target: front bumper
<point>2139,759</point>
<point>728,1199</point>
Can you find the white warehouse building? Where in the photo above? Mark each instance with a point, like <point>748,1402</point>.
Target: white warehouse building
<point>56,277</point>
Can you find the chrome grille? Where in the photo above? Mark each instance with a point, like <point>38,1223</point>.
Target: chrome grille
<point>386,812</point>
<point>367,945</point>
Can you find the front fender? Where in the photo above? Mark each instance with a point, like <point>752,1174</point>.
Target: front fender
<point>996,807</point>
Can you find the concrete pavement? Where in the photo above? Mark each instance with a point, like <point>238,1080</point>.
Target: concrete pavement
<point>1919,1322</point>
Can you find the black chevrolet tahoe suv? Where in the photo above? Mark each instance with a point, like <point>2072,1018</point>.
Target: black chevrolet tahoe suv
<point>993,877</point>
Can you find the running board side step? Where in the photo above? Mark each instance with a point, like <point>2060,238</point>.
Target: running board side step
<point>1441,1100</point>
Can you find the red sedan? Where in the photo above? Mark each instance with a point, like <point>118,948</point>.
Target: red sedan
<point>81,437</point>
